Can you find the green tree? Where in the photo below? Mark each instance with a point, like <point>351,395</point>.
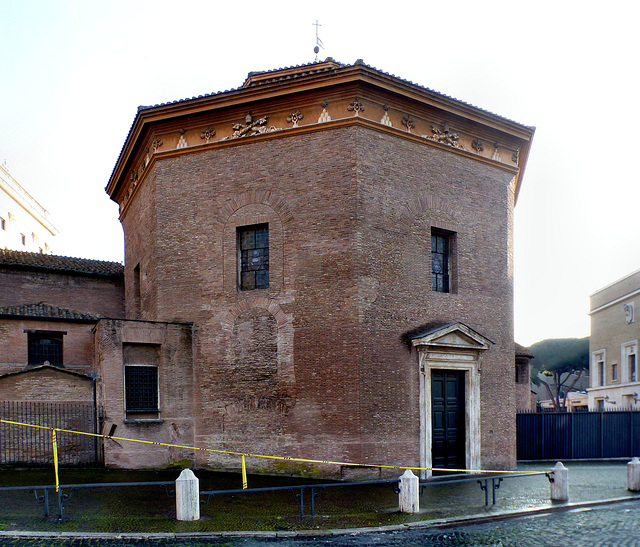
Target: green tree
<point>563,361</point>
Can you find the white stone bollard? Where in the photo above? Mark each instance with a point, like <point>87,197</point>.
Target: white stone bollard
<point>187,496</point>
<point>560,484</point>
<point>409,497</point>
<point>633,475</point>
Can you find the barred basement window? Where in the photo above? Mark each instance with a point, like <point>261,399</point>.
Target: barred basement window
<point>45,347</point>
<point>141,388</point>
<point>253,257</point>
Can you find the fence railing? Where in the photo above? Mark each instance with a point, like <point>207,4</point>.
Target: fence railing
<point>32,446</point>
<point>578,435</point>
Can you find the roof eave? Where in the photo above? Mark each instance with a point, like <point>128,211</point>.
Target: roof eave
<point>146,116</point>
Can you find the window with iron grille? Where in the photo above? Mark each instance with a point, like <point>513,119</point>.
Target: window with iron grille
<point>45,347</point>
<point>253,257</point>
<point>141,388</point>
<point>440,259</point>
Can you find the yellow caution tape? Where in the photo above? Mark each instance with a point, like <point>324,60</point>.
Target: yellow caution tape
<point>54,442</point>
<point>263,456</point>
<point>244,473</point>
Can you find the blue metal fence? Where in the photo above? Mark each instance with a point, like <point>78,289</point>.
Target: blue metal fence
<point>578,435</point>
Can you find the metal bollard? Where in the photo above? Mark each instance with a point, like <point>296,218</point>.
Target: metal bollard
<point>409,497</point>
<point>559,483</point>
<point>633,475</point>
<point>187,496</point>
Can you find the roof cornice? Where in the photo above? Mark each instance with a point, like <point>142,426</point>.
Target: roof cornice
<point>287,83</point>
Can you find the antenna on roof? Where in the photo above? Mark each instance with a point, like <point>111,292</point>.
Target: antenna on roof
<point>319,43</point>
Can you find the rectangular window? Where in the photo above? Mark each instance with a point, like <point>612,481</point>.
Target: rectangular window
<point>3,224</point>
<point>141,388</point>
<point>45,347</point>
<point>137,294</point>
<point>601,372</point>
<point>440,261</point>
<point>253,257</point>
<point>23,239</point>
<point>631,360</point>
<point>614,372</point>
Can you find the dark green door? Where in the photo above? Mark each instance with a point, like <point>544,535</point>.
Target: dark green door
<point>448,428</point>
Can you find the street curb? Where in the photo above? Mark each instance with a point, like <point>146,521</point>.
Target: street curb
<point>309,533</point>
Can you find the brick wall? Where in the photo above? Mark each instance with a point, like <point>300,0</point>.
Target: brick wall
<point>350,212</point>
<point>77,351</point>
<point>174,424</point>
<point>46,384</point>
<point>89,294</point>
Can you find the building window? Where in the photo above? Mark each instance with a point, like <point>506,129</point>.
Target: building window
<point>137,294</point>
<point>45,347</point>
<point>441,260</point>
<point>23,239</point>
<point>614,372</point>
<point>597,368</point>
<point>141,388</point>
<point>628,359</point>
<point>3,224</point>
<point>253,257</point>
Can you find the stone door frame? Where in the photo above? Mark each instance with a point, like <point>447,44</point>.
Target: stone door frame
<point>454,347</point>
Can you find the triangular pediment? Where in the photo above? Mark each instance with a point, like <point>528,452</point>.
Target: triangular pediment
<point>39,369</point>
<point>451,335</point>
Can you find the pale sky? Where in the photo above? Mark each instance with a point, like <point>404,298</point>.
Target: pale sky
<point>73,72</point>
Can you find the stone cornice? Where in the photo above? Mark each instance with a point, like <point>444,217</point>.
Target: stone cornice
<point>357,93</point>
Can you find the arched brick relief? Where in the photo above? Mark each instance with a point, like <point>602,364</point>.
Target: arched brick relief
<point>253,197</point>
<point>249,215</point>
<point>426,205</point>
<point>252,368</point>
<point>283,323</point>
<point>423,214</point>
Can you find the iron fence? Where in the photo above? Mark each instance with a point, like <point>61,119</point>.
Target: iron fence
<point>578,435</point>
<point>31,446</point>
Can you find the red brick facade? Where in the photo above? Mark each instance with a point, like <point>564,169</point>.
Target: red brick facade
<point>352,171</point>
<point>318,365</point>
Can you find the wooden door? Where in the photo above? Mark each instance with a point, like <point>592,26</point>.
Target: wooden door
<point>448,426</point>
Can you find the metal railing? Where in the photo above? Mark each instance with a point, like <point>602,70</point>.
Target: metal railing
<point>487,483</point>
<point>32,446</point>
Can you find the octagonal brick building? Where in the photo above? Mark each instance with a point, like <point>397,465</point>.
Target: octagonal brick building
<point>318,264</point>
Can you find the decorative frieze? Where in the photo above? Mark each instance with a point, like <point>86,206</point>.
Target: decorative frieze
<point>207,134</point>
<point>324,116</point>
<point>182,142</point>
<point>408,122</point>
<point>295,117</point>
<point>496,152</point>
<point>156,144</point>
<point>385,119</point>
<point>381,112</point>
<point>251,127</point>
<point>444,136</point>
<point>356,106</point>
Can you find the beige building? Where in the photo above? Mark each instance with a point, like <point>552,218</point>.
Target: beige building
<point>24,223</point>
<point>615,383</point>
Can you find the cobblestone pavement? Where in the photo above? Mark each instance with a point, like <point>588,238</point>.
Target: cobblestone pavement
<point>615,524</point>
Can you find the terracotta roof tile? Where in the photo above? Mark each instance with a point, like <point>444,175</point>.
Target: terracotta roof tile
<point>521,351</point>
<point>61,263</point>
<point>42,310</point>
